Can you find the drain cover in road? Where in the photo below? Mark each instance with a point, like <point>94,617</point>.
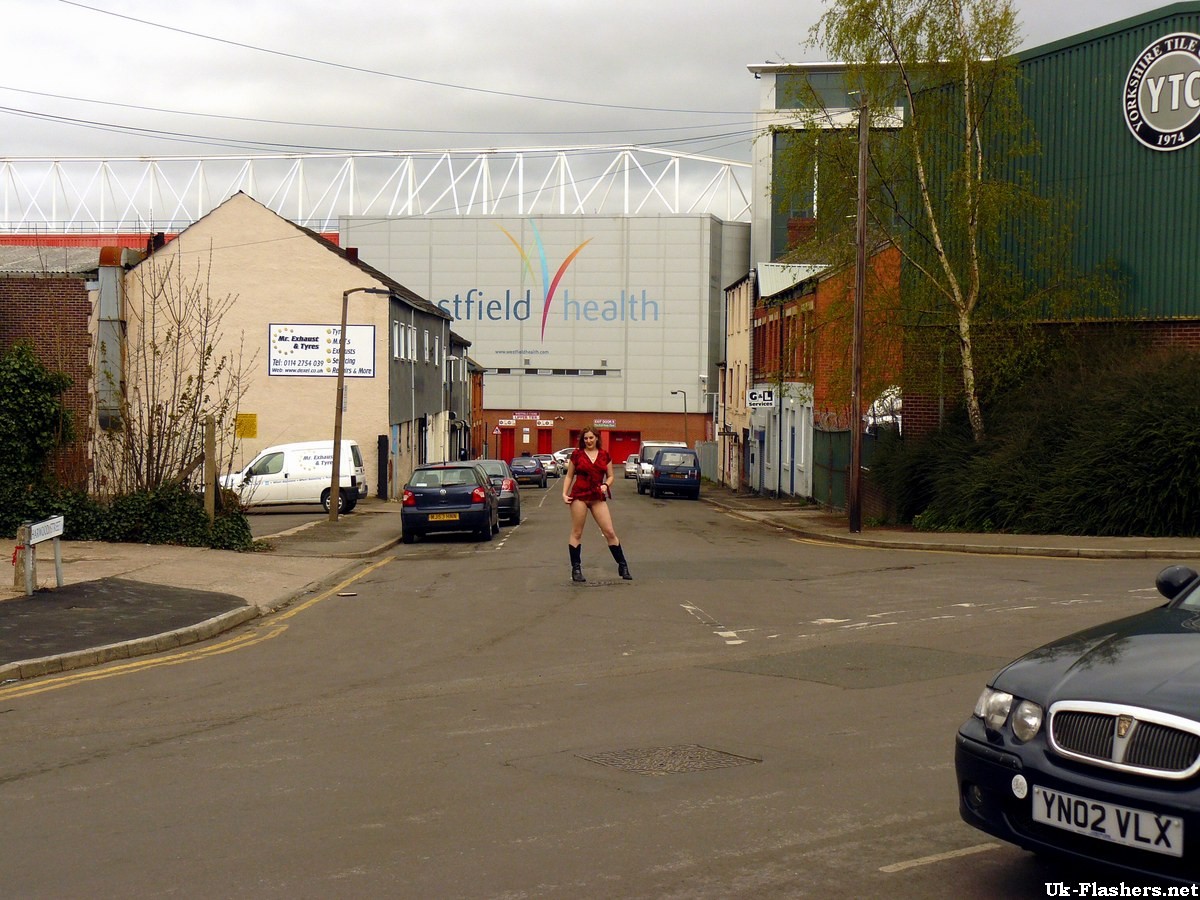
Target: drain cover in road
<point>669,760</point>
<point>865,665</point>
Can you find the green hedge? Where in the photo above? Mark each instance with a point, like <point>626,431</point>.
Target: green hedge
<point>1111,449</point>
<point>169,515</point>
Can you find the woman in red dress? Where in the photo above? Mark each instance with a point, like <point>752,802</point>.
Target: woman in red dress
<point>587,487</point>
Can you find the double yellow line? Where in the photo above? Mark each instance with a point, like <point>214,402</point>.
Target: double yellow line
<point>269,628</point>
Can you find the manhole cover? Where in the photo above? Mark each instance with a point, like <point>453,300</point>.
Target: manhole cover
<point>669,760</point>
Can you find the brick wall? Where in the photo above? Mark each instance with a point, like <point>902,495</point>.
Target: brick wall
<point>51,312</point>
<point>923,410</point>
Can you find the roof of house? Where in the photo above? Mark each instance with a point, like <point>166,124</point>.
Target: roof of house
<point>33,260</point>
<point>351,258</point>
<point>775,278</point>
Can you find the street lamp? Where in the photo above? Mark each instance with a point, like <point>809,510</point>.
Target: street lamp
<point>335,483</point>
<point>685,430</point>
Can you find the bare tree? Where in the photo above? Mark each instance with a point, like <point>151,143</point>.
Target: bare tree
<point>178,368</point>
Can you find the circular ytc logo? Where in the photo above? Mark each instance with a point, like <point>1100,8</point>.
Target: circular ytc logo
<point>1161,99</point>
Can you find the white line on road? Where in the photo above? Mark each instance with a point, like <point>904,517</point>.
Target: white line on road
<point>938,857</point>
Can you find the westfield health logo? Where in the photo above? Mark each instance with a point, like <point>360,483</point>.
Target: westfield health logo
<point>542,272</point>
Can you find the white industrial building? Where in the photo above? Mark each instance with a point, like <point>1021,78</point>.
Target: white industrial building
<point>577,319</point>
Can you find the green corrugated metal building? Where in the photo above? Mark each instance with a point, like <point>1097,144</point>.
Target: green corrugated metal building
<point>1138,194</point>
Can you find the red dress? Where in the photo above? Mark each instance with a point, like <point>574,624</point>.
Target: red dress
<point>589,475</point>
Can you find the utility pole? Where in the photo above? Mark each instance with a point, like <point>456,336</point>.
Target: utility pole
<point>854,493</point>
<point>335,481</point>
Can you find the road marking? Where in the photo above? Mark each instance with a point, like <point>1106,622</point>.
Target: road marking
<point>265,630</point>
<point>937,858</point>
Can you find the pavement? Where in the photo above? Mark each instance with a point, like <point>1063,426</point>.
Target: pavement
<point>120,601</point>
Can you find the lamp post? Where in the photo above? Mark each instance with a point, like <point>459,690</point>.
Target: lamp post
<point>685,429</point>
<point>335,483</point>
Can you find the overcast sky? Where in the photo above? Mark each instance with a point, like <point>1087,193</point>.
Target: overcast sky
<point>108,78</point>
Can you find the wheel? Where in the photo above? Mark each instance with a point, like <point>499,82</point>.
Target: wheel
<point>344,503</point>
<point>484,533</point>
<point>515,518</point>
<point>654,492</point>
<point>353,502</point>
<point>696,495</point>
<point>408,537</point>
<point>543,481</point>
<point>641,488</point>
<point>496,526</point>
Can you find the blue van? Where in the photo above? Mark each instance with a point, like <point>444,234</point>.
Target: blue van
<point>675,470</point>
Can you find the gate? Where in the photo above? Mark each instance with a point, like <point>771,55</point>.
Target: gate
<point>831,464</point>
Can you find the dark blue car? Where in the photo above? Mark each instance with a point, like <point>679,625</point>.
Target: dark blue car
<point>1090,746</point>
<point>452,496</point>
<point>528,470</point>
<point>675,471</point>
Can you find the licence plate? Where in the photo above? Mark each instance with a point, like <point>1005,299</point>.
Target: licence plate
<point>1108,822</point>
<point>443,517</point>
<point>679,475</point>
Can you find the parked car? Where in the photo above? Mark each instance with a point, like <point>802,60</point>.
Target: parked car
<point>675,471</point>
<point>1090,745</point>
<point>299,474</point>
<point>528,470</point>
<point>550,464</point>
<point>564,456</point>
<point>631,466</point>
<point>507,489</point>
<point>646,459</point>
<point>450,496</point>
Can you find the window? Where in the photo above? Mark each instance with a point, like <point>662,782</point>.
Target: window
<point>427,347</point>
<point>397,337</point>
<point>411,349</point>
<point>437,350</point>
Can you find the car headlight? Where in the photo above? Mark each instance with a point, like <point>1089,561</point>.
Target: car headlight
<point>993,706</point>
<point>1026,720</point>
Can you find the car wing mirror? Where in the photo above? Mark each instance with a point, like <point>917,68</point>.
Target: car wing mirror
<point>1172,580</point>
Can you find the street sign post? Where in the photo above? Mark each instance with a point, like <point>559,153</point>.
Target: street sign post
<point>29,535</point>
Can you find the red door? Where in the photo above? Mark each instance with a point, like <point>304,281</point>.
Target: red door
<point>545,440</point>
<point>623,443</point>
<point>508,443</point>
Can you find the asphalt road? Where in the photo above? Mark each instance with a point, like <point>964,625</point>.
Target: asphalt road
<point>753,716</point>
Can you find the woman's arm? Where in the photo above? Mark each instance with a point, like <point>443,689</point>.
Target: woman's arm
<point>568,481</point>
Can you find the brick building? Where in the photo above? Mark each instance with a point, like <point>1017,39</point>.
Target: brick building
<point>45,301</point>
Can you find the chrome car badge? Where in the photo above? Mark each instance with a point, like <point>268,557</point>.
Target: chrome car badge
<point>1124,723</point>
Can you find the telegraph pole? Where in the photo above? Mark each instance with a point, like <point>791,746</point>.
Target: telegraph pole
<point>854,493</point>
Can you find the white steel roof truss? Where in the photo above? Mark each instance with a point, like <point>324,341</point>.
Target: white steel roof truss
<point>170,193</point>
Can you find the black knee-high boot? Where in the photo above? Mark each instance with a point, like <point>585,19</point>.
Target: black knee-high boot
<point>622,567</point>
<point>576,563</point>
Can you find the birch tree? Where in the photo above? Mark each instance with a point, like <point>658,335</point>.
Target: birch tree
<point>947,189</point>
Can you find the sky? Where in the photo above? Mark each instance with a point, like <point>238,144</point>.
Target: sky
<point>118,78</point>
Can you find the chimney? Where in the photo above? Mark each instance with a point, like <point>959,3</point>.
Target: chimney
<point>800,229</point>
<point>352,254</point>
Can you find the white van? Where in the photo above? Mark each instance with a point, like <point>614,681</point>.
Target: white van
<point>646,453</point>
<point>300,474</point>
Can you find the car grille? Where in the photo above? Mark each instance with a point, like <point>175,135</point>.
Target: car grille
<point>1127,738</point>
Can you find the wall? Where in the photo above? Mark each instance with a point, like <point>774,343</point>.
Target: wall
<point>629,302</point>
<point>276,274</point>
<point>734,416</point>
<point>51,312</point>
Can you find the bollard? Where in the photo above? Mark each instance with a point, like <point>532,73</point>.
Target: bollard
<point>25,560</point>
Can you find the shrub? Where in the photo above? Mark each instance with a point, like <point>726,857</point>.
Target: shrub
<point>1111,448</point>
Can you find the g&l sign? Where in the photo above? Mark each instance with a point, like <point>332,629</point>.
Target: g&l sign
<point>1161,98</point>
